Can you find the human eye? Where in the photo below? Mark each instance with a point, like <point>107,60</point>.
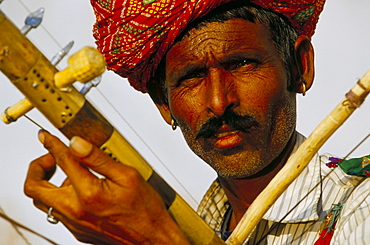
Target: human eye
<point>240,63</point>
<point>247,64</point>
<point>191,78</point>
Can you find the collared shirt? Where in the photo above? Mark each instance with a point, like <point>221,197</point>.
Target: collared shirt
<point>296,217</point>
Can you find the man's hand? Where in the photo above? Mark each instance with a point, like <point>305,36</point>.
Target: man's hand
<point>119,209</point>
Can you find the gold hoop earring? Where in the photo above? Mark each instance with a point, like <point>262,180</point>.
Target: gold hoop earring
<point>173,124</point>
<point>304,89</point>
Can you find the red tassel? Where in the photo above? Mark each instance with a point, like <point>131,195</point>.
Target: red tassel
<point>325,237</point>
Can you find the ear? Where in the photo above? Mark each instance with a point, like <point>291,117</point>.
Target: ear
<point>303,69</point>
<point>156,94</point>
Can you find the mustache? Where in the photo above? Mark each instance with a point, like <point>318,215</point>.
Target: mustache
<point>231,118</point>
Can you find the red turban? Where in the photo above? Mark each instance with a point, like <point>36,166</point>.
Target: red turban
<point>134,35</point>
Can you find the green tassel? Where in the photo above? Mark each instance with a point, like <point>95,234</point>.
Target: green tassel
<point>357,166</point>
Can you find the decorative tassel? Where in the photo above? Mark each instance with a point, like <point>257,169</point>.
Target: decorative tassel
<point>328,225</point>
<point>333,162</point>
<point>355,166</point>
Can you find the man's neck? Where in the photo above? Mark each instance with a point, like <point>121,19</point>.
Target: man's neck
<point>242,192</point>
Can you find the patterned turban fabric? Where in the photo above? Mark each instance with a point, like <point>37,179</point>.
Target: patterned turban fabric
<point>134,35</point>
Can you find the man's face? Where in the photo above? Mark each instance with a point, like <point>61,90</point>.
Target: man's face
<point>227,90</point>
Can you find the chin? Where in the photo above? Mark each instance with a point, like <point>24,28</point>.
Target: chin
<point>238,168</point>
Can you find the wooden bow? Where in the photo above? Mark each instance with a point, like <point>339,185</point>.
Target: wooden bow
<point>300,159</point>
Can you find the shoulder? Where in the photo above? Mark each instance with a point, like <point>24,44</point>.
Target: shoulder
<point>354,221</point>
<point>354,185</point>
<point>213,206</point>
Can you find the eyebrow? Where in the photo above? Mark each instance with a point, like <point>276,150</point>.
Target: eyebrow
<point>240,56</point>
<point>198,68</point>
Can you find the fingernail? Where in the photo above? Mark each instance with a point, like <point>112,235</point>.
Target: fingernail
<point>81,146</point>
<point>41,136</point>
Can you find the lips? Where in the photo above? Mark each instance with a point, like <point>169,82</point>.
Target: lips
<point>221,135</point>
<point>227,137</point>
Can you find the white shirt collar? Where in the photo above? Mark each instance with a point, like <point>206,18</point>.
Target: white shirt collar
<point>305,210</point>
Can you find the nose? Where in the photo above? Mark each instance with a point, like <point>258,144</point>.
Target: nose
<point>221,92</point>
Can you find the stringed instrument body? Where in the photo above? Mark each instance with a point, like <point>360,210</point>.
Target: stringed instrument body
<point>70,112</point>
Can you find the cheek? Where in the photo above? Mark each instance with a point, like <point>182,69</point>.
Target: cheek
<point>260,98</point>
<point>186,109</point>
<point>267,91</point>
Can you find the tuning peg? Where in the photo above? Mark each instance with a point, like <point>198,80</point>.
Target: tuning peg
<point>89,85</point>
<point>60,55</point>
<point>33,20</point>
<point>83,66</point>
<point>12,113</point>
<point>86,65</point>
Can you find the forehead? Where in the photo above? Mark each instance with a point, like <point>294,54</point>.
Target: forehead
<point>220,39</point>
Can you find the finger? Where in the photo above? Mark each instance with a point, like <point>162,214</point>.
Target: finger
<point>40,189</point>
<point>63,201</point>
<point>66,182</point>
<point>97,160</point>
<point>43,167</point>
<point>44,193</point>
<point>50,172</point>
<point>38,175</point>
<point>83,230</point>
<point>77,174</point>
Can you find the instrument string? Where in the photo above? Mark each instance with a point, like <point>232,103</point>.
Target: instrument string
<point>42,26</point>
<point>148,147</point>
<point>322,178</point>
<point>35,123</point>
<point>16,225</point>
<point>122,118</point>
<point>358,145</point>
<point>16,228</point>
<point>141,139</point>
<point>19,225</point>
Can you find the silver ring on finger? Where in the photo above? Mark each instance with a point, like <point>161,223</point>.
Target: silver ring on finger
<point>50,218</point>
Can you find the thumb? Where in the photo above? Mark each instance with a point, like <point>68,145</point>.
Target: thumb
<point>94,158</point>
<point>80,148</point>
